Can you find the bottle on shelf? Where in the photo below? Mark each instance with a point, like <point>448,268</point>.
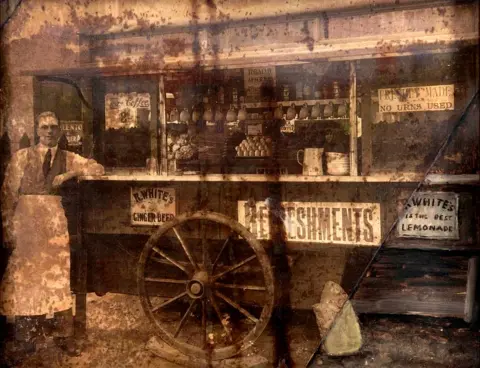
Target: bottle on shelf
<point>318,91</point>
<point>286,92</point>
<point>221,95</point>
<point>174,116</point>
<point>307,88</point>
<point>336,89</point>
<point>325,91</point>
<point>299,90</point>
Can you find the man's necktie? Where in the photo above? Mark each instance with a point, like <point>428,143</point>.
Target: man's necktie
<point>46,162</point>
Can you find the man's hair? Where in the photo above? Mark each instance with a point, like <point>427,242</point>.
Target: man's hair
<point>46,114</point>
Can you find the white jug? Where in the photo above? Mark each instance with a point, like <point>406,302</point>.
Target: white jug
<point>312,161</point>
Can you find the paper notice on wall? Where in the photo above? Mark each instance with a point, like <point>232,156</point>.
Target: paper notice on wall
<point>316,222</point>
<point>73,130</point>
<point>432,215</point>
<point>257,81</point>
<point>410,99</point>
<point>126,110</point>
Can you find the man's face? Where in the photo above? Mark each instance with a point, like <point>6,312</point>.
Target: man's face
<point>49,131</point>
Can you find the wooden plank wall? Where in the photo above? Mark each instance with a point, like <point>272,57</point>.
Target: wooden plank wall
<point>415,282</point>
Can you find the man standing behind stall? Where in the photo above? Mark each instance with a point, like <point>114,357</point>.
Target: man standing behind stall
<point>36,286</point>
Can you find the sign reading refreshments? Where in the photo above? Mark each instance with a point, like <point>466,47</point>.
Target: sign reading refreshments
<point>255,79</point>
<point>432,215</point>
<point>316,222</point>
<point>126,110</point>
<point>152,205</point>
<point>408,99</point>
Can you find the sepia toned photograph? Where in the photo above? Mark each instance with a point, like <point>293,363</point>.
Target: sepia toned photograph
<point>240,183</point>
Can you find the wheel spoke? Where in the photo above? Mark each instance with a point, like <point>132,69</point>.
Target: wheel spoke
<point>237,306</point>
<point>185,249</point>
<point>169,301</point>
<point>171,260</point>
<point>232,268</point>
<point>241,287</point>
<point>184,318</point>
<point>204,323</point>
<point>221,251</point>
<point>217,311</point>
<point>167,281</point>
<point>207,262</point>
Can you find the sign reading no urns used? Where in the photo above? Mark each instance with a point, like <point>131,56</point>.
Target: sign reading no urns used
<point>151,205</point>
<point>431,215</point>
<point>408,99</point>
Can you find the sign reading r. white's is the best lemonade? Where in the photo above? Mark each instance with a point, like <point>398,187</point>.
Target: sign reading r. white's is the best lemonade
<point>315,222</point>
<point>152,205</point>
<point>409,99</point>
<point>432,215</point>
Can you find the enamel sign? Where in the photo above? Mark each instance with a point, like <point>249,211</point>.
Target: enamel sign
<point>152,205</point>
<point>316,222</point>
<point>432,215</point>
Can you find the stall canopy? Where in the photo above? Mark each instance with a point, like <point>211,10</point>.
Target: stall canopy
<point>368,32</point>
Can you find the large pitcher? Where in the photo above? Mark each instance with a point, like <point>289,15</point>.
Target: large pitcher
<point>312,161</point>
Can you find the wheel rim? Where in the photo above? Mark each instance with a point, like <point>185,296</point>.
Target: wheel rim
<point>207,287</point>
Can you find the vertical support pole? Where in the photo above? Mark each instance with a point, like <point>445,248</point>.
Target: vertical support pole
<point>163,126</point>
<point>353,121</point>
<point>154,151</point>
<point>472,282</point>
<point>80,324</point>
<point>366,133</point>
<point>87,118</point>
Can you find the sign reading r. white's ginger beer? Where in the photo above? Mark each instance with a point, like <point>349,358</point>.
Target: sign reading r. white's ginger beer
<point>432,215</point>
<point>408,99</point>
<point>316,222</point>
<point>152,205</point>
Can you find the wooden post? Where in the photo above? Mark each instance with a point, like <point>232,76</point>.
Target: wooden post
<point>353,121</point>
<point>472,280</point>
<point>367,120</point>
<point>80,282</point>
<point>163,126</point>
<point>87,118</point>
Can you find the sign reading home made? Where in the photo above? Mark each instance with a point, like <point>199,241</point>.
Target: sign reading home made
<point>315,222</point>
<point>431,215</point>
<point>409,99</point>
<point>151,205</point>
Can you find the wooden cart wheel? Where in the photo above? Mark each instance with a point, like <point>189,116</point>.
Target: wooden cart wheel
<point>215,321</point>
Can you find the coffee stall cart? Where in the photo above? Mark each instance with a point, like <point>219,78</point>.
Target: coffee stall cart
<point>228,169</point>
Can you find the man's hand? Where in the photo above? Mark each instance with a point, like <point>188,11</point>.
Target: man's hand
<point>96,170</point>
<point>60,179</point>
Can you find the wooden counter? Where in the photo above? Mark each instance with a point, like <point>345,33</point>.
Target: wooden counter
<point>433,179</point>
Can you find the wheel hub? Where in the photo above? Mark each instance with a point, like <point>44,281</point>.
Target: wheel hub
<point>196,286</point>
